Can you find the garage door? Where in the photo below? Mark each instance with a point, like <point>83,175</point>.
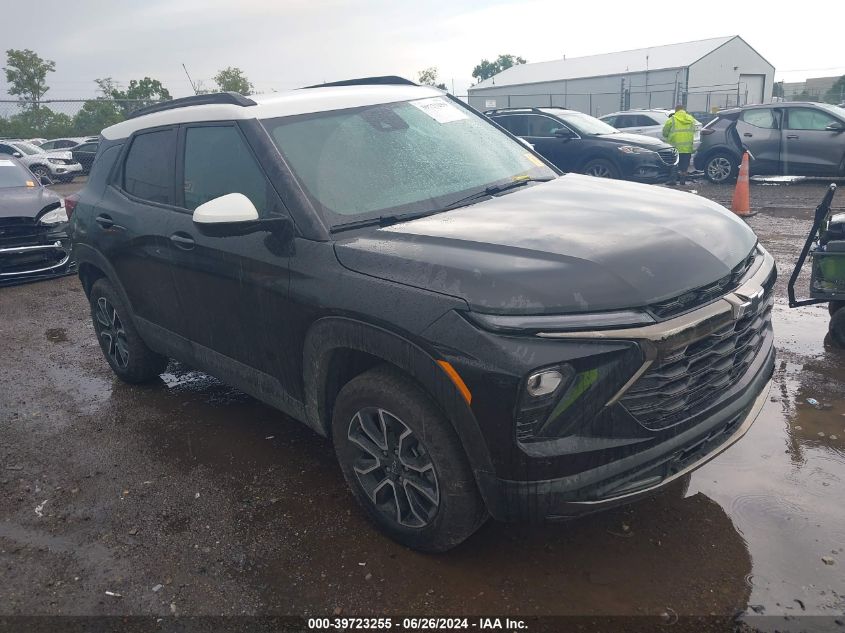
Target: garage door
<point>751,88</point>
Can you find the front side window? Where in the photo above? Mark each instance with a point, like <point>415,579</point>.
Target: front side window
<point>762,118</point>
<point>542,126</point>
<point>148,172</point>
<point>218,162</point>
<point>808,119</point>
<point>402,157</point>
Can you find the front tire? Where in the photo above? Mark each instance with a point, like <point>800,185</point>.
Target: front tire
<point>721,167</point>
<point>40,172</point>
<point>404,462</point>
<point>126,353</point>
<point>600,168</point>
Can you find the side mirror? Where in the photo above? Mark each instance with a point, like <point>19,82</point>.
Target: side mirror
<point>563,133</point>
<point>228,209</point>
<point>17,154</point>
<point>835,127</point>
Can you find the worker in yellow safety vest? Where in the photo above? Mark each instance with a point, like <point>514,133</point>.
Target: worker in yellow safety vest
<point>679,131</point>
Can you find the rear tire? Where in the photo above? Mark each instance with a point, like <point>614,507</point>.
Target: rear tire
<point>126,353</point>
<point>837,327</point>
<point>600,168</point>
<point>721,167</point>
<point>404,462</point>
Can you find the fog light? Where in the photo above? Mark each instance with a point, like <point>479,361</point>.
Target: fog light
<point>543,383</point>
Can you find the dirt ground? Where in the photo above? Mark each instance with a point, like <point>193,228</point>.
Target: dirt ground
<point>187,497</point>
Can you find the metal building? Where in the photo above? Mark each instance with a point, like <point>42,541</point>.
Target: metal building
<point>710,74</point>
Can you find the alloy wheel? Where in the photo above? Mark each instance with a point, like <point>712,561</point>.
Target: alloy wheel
<point>719,169</point>
<point>599,171</point>
<point>394,468</point>
<point>112,333</point>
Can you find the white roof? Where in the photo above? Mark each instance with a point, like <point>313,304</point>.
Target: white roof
<point>287,103</point>
<point>638,60</point>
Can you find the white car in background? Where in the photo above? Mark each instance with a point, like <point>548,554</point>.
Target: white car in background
<point>646,122</point>
<point>56,165</point>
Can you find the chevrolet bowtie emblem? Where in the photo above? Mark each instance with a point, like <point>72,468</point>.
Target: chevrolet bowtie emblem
<point>748,303</point>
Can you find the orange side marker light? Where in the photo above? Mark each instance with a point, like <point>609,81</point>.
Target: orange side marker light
<point>456,378</point>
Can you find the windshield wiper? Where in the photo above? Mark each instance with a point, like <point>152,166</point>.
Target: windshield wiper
<point>492,190</point>
<point>386,220</point>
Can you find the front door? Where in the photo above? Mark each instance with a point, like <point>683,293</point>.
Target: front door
<point>808,148</point>
<point>759,130</point>
<point>564,153</point>
<point>233,289</point>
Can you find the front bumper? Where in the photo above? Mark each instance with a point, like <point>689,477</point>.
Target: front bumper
<point>19,264</point>
<point>647,168</point>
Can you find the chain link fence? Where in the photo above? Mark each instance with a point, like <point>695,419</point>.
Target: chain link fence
<point>68,117</point>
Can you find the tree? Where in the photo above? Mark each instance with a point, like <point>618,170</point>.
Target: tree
<point>36,122</point>
<point>836,94</point>
<point>139,93</point>
<point>487,69</point>
<point>233,79</point>
<point>95,115</point>
<point>428,77</point>
<point>26,73</point>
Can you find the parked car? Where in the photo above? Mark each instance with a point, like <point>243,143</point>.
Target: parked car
<point>574,141</point>
<point>646,122</point>
<point>477,333</point>
<point>34,241</point>
<point>67,143</point>
<point>84,155</point>
<point>36,141</point>
<point>55,165</point>
<point>788,138</point>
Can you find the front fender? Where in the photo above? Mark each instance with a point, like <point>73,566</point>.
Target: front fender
<point>330,334</point>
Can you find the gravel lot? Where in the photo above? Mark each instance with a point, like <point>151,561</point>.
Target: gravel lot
<point>187,497</point>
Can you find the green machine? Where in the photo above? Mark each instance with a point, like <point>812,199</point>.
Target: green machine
<point>825,247</point>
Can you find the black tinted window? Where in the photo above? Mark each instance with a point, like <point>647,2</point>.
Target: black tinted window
<point>514,124</point>
<point>86,147</point>
<point>148,172</point>
<point>217,162</point>
<point>623,120</point>
<point>542,126</point>
<point>7,149</point>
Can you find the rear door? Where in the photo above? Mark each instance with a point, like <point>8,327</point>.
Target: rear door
<point>808,148</point>
<point>759,130</point>
<point>233,289</point>
<point>131,226</point>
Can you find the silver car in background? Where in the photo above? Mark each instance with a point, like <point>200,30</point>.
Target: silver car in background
<point>55,165</point>
<point>646,122</point>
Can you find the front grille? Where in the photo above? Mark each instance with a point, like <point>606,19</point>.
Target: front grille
<point>693,376</point>
<point>698,297</point>
<point>21,232</point>
<point>668,156</point>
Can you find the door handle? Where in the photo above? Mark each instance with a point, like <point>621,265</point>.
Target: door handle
<point>748,134</point>
<point>791,136</point>
<point>183,241</point>
<point>104,221</point>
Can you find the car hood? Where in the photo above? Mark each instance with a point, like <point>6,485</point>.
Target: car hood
<point>641,140</point>
<point>26,202</point>
<point>575,244</point>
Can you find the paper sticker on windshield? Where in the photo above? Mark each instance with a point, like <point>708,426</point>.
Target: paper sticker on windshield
<point>6,163</point>
<point>440,109</point>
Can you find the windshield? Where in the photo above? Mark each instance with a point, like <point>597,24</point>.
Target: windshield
<point>585,124</point>
<point>13,175</point>
<point>28,148</point>
<point>403,157</point>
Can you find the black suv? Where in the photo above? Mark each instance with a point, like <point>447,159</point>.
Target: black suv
<point>477,334</point>
<point>574,141</point>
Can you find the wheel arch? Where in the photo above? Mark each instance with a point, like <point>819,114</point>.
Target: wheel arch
<point>339,348</point>
<point>91,266</point>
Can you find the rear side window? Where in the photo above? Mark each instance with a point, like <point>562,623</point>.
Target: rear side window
<point>218,162</point>
<point>148,172</point>
<point>763,118</point>
<point>87,147</point>
<point>513,123</point>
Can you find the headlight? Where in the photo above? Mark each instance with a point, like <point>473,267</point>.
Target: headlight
<point>56,161</point>
<point>633,149</point>
<point>55,216</point>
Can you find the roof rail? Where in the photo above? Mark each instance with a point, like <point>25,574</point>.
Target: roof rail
<point>224,98</point>
<point>387,80</point>
<point>529,108</point>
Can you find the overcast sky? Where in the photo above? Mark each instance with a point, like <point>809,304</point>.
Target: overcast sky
<point>284,44</point>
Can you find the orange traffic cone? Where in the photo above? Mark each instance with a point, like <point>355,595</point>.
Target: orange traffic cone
<point>741,203</point>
